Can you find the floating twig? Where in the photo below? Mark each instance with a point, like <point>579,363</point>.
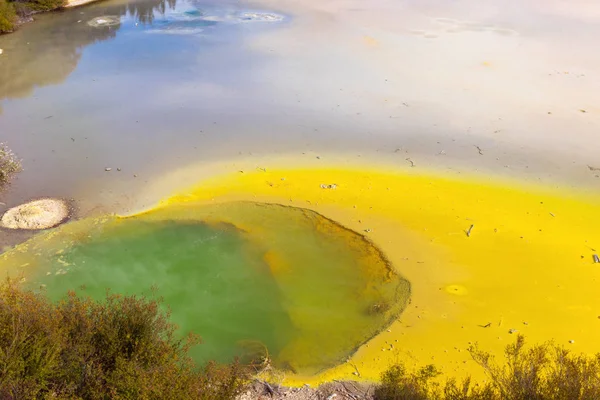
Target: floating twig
<point>486,325</point>
<point>479,150</point>
<point>593,168</point>
<point>412,164</point>
<point>468,231</point>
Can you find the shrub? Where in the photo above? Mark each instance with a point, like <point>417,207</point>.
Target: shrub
<point>541,372</point>
<point>546,371</point>
<point>26,7</point>
<point>9,164</point>
<point>120,348</point>
<point>398,384</point>
<point>8,16</point>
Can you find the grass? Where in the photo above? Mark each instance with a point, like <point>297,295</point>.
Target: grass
<point>540,372</point>
<point>120,348</point>
<point>9,164</point>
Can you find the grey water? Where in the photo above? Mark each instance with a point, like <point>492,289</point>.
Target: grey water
<point>145,87</point>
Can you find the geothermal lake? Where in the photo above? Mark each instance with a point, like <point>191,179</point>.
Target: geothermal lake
<point>180,129</point>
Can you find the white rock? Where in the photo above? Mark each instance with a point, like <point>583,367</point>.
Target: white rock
<point>37,214</point>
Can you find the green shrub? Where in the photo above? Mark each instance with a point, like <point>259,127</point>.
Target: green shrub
<point>26,7</point>
<point>9,164</point>
<point>547,371</point>
<point>541,372</point>
<point>120,348</point>
<point>8,16</point>
<point>398,384</point>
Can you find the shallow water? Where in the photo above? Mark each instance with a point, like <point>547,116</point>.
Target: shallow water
<point>284,282</point>
<point>433,82</point>
<point>171,93</point>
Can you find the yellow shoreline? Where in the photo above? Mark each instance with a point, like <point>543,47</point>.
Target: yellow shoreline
<point>526,266</point>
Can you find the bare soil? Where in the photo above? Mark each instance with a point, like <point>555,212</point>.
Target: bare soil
<point>336,390</point>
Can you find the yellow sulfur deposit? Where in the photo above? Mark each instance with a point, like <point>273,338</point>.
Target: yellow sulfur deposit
<point>485,261</point>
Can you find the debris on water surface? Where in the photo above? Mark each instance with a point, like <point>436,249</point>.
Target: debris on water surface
<point>260,17</point>
<point>468,231</point>
<point>511,331</point>
<point>596,259</point>
<point>107,169</point>
<point>325,186</point>
<point>571,341</point>
<point>107,20</point>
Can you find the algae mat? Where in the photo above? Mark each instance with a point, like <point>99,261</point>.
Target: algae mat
<point>250,279</point>
<point>526,267</point>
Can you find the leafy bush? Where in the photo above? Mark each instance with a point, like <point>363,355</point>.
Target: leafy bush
<point>8,162</point>
<point>398,384</point>
<point>26,7</point>
<point>8,16</point>
<point>121,348</point>
<point>542,372</point>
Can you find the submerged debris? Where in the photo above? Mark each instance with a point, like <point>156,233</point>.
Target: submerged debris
<point>107,20</point>
<point>325,186</point>
<point>260,17</point>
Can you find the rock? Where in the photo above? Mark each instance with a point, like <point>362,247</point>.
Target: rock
<point>38,214</point>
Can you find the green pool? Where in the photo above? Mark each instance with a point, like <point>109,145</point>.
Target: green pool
<point>244,276</point>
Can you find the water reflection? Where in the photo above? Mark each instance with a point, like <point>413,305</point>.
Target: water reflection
<point>145,12</point>
<point>46,52</point>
